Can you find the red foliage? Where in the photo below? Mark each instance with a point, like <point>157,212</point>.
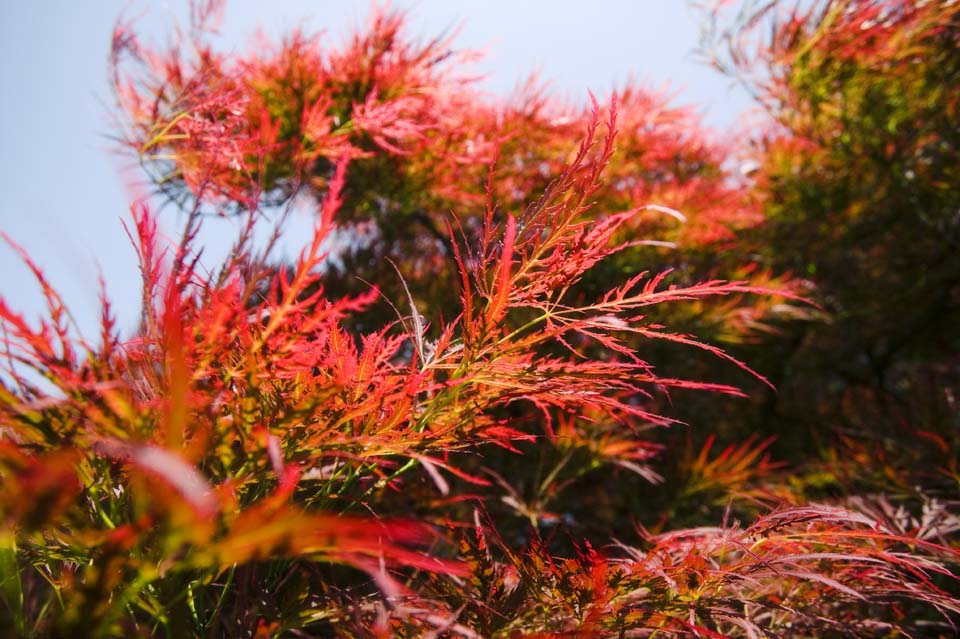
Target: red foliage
<point>251,428</point>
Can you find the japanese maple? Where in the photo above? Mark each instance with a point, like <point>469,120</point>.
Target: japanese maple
<point>393,446</point>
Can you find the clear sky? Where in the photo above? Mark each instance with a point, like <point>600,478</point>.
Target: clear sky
<point>63,193</point>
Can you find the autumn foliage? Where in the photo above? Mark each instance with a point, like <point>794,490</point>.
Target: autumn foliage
<point>478,402</point>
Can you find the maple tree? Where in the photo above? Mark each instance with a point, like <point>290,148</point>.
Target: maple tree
<point>856,173</point>
<point>442,418</point>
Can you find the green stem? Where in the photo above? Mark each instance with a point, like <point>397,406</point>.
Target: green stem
<point>11,588</point>
<point>223,594</point>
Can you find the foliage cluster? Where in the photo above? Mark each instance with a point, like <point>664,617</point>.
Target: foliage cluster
<point>458,411</point>
<point>857,175</point>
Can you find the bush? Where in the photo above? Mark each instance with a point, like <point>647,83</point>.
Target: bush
<point>412,428</point>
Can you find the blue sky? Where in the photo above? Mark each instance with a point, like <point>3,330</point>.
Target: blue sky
<point>64,196</point>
